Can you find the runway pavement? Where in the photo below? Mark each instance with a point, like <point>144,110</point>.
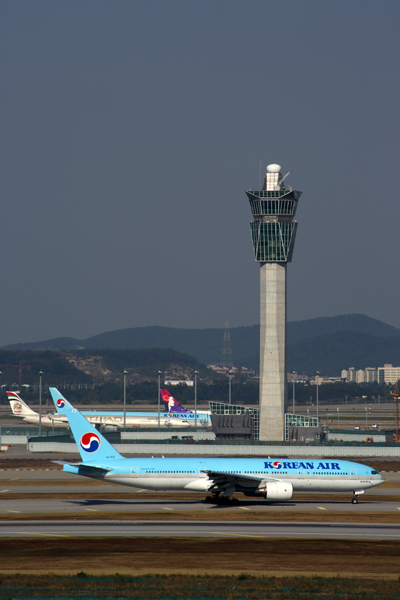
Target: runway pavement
<point>351,531</point>
<point>52,491</point>
<point>139,503</point>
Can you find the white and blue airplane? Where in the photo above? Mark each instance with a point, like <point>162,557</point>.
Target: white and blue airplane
<point>173,416</point>
<point>273,479</point>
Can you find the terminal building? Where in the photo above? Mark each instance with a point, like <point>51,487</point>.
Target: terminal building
<point>237,422</point>
<point>273,233</point>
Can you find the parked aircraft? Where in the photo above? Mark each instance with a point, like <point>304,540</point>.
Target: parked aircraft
<point>273,479</point>
<point>111,419</point>
<point>172,405</point>
<point>22,410</point>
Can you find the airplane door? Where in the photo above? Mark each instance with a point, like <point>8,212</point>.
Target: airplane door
<point>301,480</point>
<point>353,474</point>
<point>134,471</point>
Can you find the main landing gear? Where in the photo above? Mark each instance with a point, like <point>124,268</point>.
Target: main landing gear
<point>221,500</point>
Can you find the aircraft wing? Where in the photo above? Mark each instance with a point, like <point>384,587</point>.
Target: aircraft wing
<point>222,481</point>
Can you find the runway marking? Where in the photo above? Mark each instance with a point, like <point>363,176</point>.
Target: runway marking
<point>45,534</point>
<point>398,508</point>
<point>15,479</point>
<point>237,534</point>
<point>321,508</point>
<point>165,508</point>
<point>4,491</point>
<point>244,507</point>
<point>92,509</point>
<point>16,511</point>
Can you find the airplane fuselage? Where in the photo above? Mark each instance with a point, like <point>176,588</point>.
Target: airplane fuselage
<point>133,420</point>
<point>189,474</point>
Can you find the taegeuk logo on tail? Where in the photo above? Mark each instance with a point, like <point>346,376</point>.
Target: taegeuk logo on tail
<point>90,442</point>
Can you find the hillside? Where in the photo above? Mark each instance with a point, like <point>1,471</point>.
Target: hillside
<point>85,366</point>
<point>330,353</point>
<point>328,344</point>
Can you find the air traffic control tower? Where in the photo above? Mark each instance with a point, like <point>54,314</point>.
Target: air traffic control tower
<point>273,233</point>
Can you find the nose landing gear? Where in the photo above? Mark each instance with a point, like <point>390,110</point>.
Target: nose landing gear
<point>355,496</point>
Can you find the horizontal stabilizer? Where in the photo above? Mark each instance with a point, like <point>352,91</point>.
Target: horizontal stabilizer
<point>81,466</point>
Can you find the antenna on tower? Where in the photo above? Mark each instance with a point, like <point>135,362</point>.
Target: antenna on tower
<point>227,349</point>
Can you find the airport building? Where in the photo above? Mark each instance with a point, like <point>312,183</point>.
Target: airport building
<point>273,233</point>
<point>386,374</point>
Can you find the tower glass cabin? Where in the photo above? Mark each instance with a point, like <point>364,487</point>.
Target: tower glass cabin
<point>273,233</point>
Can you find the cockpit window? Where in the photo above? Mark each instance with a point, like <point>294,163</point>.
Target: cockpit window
<point>374,473</point>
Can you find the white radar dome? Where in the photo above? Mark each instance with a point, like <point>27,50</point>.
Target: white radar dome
<point>274,168</point>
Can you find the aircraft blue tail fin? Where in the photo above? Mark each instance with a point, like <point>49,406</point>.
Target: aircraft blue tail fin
<point>91,444</point>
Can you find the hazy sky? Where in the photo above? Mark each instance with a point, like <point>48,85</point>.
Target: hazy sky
<point>130,131</point>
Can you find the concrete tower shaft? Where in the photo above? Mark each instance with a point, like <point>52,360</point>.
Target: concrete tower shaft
<point>273,234</point>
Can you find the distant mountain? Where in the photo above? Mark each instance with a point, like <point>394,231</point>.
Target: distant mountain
<point>332,352</point>
<point>302,330</point>
<point>86,366</point>
<point>328,344</point>
<point>204,344</point>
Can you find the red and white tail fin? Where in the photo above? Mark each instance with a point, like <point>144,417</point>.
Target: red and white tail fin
<point>172,405</point>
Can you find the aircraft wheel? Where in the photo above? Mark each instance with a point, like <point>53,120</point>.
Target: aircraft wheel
<point>354,500</point>
<point>208,499</point>
<point>235,501</point>
<point>223,501</point>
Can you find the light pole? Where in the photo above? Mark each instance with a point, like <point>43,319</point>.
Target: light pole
<point>366,417</point>
<point>40,402</point>
<point>159,397</point>
<point>230,387</point>
<point>317,378</point>
<point>195,399</point>
<point>293,380</point>
<point>124,373</point>
<point>338,418</point>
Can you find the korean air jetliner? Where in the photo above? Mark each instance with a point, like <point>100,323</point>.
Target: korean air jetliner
<point>272,479</point>
<point>173,406</point>
<point>174,415</point>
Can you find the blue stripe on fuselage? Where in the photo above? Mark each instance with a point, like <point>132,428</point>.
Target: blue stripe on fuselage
<point>240,466</point>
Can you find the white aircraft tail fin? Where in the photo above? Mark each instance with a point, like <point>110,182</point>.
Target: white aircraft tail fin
<point>18,406</point>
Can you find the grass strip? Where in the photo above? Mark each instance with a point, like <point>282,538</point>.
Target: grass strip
<point>198,587</point>
<point>200,556</point>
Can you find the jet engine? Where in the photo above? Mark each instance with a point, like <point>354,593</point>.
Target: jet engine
<point>276,490</point>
